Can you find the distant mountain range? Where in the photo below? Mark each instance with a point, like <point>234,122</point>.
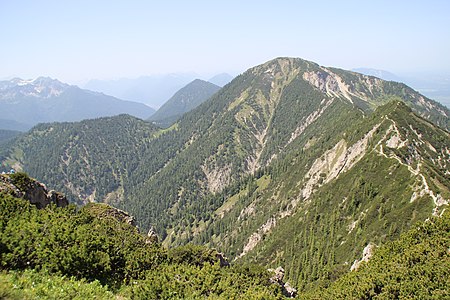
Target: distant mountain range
<point>24,103</point>
<point>152,90</point>
<point>186,99</point>
<point>385,75</point>
<point>13,125</point>
<point>221,79</point>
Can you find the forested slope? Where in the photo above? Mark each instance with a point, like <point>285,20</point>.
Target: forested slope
<point>89,160</point>
<point>414,266</point>
<point>290,164</point>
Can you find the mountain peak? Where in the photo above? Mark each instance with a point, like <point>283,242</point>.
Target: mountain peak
<point>197,81</point>
<point>282,66</point>
<point>41,87</point>
<point>47,80</point>
<point>221,79</point>
<point>20,81</point>
<point>45,99</point>
<point>290,60</point>
<point>187,98</point>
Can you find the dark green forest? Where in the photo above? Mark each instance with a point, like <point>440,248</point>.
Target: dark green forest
<point>7,135</point>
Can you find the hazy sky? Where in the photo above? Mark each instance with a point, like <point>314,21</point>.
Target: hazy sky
<point>78,40</point>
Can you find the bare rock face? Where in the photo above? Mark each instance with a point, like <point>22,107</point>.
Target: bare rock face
<point>278,275</point>
<point>277,278</point>
<point>21,186</point>
<point>152,236</point>
<point>367,254</point>
<point>36,193</point>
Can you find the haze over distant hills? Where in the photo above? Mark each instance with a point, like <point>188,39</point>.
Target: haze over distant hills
<point>13,125</point>
<point>221,79</point>
<point>152,90</point>
<point>25,103</point>
<point>436,86</point>
<point>385,75</point>
<point>186,99</point>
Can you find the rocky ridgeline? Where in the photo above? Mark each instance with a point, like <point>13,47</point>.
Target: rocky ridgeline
<point>21,186</point>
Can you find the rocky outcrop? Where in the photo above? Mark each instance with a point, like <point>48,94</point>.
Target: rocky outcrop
<point>58,198</point>
<point>277,278</point>
<point>122,216</point>
<point>7,187</point>
<point>367,254</point>
<point>21,186</point>
<point>152,236</point>
<point>217,178</point>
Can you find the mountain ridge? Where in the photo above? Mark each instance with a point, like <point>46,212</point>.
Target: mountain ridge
<point>184,100</point>
<point>221,79</point>
<point>45,100</point>
<point>290,158</point>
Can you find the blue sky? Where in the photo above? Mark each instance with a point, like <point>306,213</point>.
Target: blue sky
<point>80,40</point>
